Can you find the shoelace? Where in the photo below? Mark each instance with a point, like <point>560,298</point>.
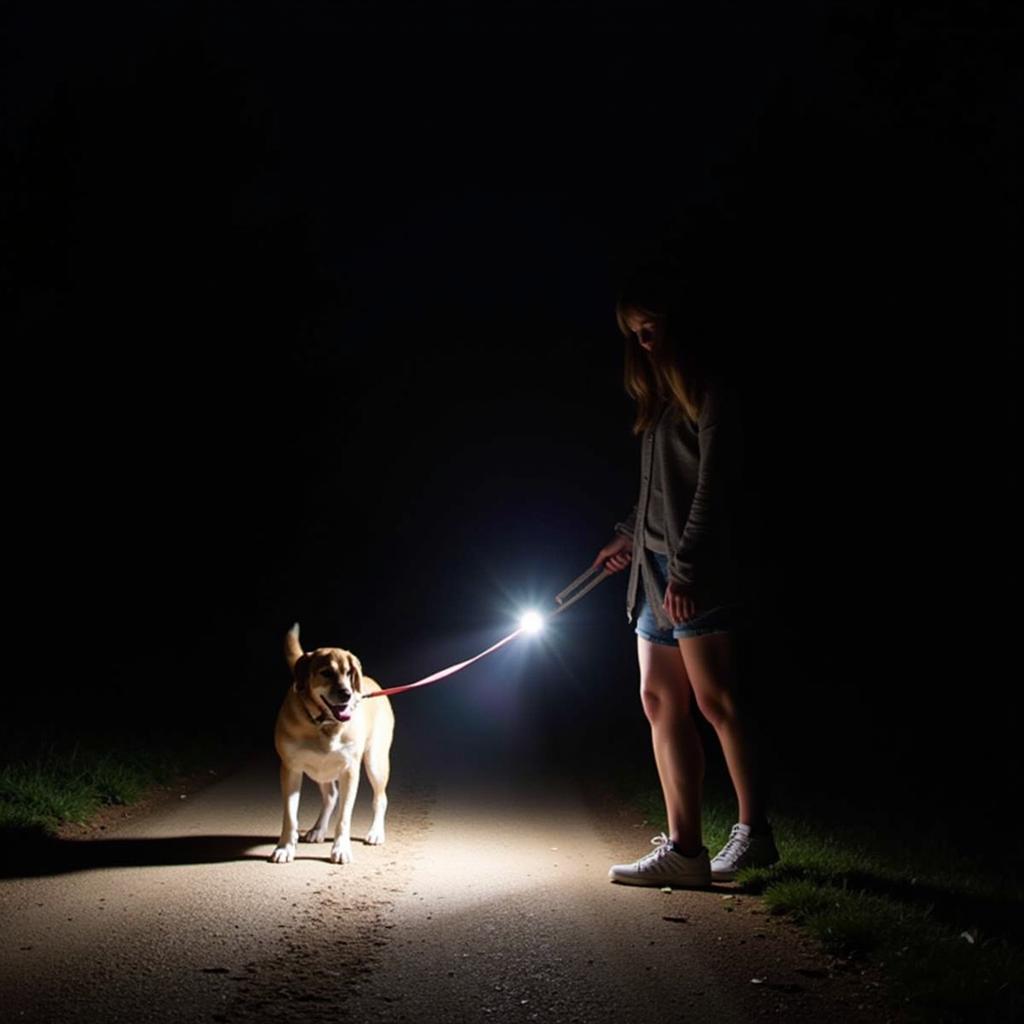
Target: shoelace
<point>662,845</point>
<point>735,845</point>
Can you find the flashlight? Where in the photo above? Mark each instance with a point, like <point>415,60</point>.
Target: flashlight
<point>531,622</point>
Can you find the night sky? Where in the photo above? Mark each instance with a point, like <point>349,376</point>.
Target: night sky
<point>313,320</point>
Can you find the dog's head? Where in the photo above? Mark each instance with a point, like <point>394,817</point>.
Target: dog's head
<point>330,678</point>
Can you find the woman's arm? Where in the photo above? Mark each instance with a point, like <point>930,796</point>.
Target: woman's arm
<point>618,552</point>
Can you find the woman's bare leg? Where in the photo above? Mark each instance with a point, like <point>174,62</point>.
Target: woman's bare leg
<point>678,754</point>
<point>710,665</point>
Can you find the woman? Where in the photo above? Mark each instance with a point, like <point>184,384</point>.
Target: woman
<point>684,588</point>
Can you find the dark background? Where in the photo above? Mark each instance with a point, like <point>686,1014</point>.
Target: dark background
<point>313,320</point>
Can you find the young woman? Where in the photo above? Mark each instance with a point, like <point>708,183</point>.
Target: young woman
<point>684,589</point>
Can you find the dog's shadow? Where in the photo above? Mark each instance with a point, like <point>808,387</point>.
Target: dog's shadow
<point>32,854</point>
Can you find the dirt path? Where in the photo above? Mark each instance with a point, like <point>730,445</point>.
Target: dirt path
<point>488,902</point>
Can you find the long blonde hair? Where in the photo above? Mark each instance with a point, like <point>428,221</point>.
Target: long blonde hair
<point>674,370</point>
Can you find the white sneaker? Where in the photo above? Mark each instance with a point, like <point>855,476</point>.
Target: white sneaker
<point>664,866</point>
<point>743,850</point>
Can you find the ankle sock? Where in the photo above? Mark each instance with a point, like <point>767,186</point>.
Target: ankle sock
<point>683,852</point>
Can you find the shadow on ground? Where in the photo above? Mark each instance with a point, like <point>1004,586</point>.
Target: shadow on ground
<point>31,854</point>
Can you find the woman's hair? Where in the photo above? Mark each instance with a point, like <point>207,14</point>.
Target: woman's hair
<point>675,370</point>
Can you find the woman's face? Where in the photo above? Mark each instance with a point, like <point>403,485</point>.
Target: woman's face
<point>648,330</point>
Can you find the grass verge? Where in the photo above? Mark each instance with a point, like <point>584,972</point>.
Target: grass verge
<point>48,786</point>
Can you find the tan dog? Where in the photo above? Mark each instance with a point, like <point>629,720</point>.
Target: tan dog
<point>325,729</point>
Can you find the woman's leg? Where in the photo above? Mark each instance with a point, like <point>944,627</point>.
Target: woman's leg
<point>678,754</point>
<point>710,665</point>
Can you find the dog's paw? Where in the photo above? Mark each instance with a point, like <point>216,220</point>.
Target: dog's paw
<point>314,835</point>
<point>283,854</point>
<point>375,836</point>
<point>341,853</point>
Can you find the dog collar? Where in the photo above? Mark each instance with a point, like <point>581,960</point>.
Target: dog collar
<point>319,720</point>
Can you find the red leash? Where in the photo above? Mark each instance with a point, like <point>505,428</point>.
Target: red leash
<point>577,585</point>
<point>451,670</point>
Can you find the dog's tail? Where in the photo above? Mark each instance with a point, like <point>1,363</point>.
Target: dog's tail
<point>292,647</point>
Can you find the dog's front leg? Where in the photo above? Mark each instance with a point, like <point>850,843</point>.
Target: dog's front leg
<point>341,851</point>
<point>291,787</point>
<point>329,794</point>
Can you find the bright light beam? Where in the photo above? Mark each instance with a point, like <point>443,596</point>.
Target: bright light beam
<point>531,622</point>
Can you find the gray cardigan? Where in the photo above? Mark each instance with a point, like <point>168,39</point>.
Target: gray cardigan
<point>700,471</point>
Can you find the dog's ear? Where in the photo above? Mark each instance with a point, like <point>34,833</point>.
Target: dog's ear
<point>300,674</point>
<point>356,668</point>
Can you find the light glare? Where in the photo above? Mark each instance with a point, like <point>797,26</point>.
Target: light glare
<point>531,622</point>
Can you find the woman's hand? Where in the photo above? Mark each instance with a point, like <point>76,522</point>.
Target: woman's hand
<point>679,606</point>
<point>615,555</point>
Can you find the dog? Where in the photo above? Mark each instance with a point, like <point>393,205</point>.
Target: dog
<point>326,729</point>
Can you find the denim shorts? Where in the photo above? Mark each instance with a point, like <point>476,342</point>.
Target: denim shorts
<point>722,619</point>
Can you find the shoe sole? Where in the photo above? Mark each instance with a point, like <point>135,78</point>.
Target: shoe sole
<point>643,884</point>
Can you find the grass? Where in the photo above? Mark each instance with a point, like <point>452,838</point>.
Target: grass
<point>944,927</point>
<point>45,787</point>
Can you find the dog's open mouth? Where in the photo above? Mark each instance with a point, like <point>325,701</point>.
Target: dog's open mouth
<point>341,712</point>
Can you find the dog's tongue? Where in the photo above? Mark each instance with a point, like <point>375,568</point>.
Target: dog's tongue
<point>338,710</point>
